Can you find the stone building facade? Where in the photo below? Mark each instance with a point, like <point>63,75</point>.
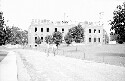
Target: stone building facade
<point>42,28</point>
<point>94,34</point>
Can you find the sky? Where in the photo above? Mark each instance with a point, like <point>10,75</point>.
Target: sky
<point>21,12</point>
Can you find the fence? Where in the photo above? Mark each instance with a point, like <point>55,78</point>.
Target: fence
<point>108,58</point>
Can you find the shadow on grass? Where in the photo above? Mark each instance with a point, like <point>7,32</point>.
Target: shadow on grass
<point>111,54</point>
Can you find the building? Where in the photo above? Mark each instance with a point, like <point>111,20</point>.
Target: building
<point>94,34</point>
<point>42,28</point>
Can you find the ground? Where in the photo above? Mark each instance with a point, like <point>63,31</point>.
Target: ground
<point>110,54</point>
<point>60,68</point>
<point>37,66</point>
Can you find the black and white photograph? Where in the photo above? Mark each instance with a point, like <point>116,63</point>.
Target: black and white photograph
<point>62,40</point>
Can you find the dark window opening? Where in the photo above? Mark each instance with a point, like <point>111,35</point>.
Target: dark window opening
<point>89,30</point>
<point>99,31</point>
<point>62,29</point>
<point>89,39</point>
<point>35,38</point>
<point>41,39</point>
<point>99,39</point>
<point>35,29</point>
<point>41,29</point>
<point>94,39</point>
<point>94,30</point>
<point>55,29</point>
<point>47,29</point>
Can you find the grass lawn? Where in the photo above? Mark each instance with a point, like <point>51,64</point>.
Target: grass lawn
<point>110,54</point>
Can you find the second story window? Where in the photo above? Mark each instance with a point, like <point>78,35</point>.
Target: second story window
<point>89,30</point>
<point>55,29</point>
<point>47,29</point>
<point>35,29</point>
<point>62,29</point>
<point>41,29</point>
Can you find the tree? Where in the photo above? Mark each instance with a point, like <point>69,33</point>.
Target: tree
<point>57,38</point>
<point>24,37</point>
<point>15,35</point>
<point>77,33</point>
<point>118,23</point>
<point>49,39</point>
<point>8,35</point>
<point>38,40</point>
<point>2,29</point>
<point>68,39</point>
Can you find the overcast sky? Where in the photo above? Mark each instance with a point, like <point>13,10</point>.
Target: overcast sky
<point>21,12</point>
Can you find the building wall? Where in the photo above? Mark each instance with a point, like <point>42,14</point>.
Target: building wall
<point>97,34</point>
<point>46,25</point>
<point>93,33</point>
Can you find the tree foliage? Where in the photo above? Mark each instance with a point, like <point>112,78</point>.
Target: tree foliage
<point>11,35</point>
<point>77,33</point>
<point>49,39</point>
<point>15,35</point>
<point>57,38</point>
<point>8,35</point>
<point>68,38</point>
<point>24,37</point>
<point>118,22</point>
<point>2,29</point>
<point>38,40</point>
